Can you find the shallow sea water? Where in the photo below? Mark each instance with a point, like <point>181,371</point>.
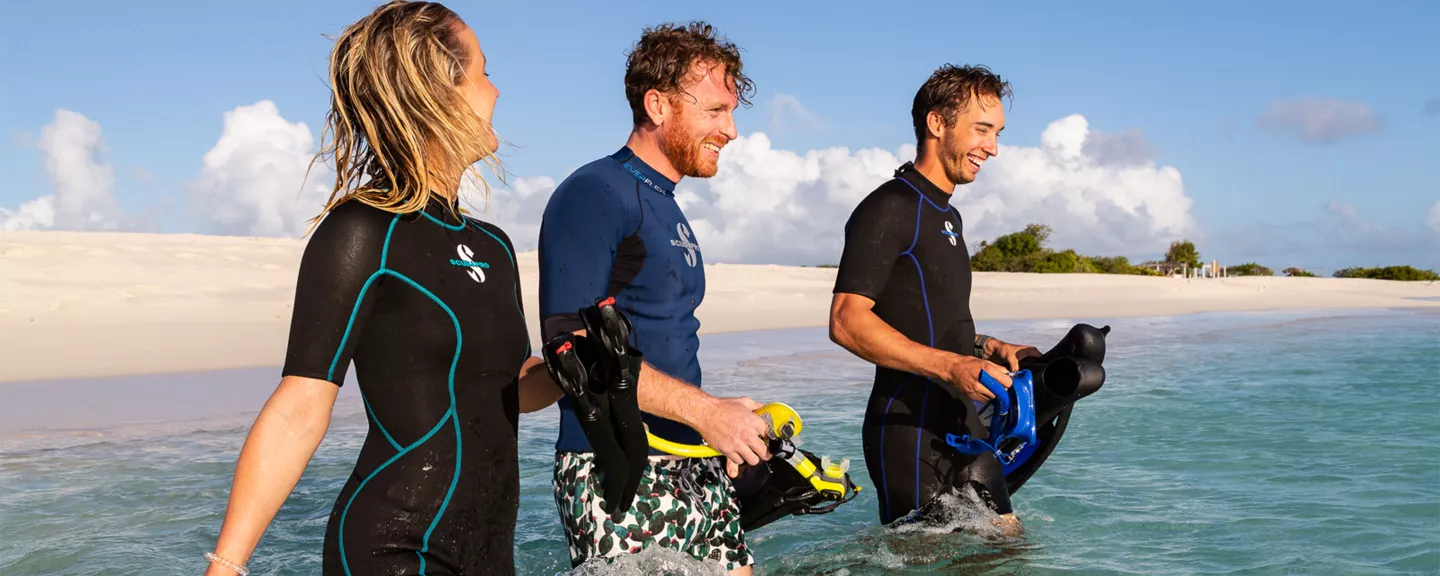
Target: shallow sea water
<point>1295,443</point>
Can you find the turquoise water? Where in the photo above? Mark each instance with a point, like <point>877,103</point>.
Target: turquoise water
<point>1220,444</point>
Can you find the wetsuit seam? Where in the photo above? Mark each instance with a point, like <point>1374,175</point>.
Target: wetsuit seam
<point>449,414</point>
<point>442,223</point>
<point>376,418</point>
<point>884,417</point>
<point>514,265</point>
<point>345,339</point>
<point>919,429</point>
<point>384,253</point>
<point>930,324</point>
<point>924,197</point>
<point>344,562</point>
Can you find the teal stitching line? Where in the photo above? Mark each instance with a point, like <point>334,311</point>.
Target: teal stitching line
<point>384,253</point>
<point>377,421</point>
<point>438,221</point>
<point>343,561</point>
<point>455,479</point>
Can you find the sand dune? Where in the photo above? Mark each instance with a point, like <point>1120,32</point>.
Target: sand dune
<point>80,304</point>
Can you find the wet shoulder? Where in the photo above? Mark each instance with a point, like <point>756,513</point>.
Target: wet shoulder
<point>600,177</point>
<point>891,199</point>
<point>494,232</point>
<point>355,226</point>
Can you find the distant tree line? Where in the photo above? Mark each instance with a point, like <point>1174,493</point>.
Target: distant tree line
<point>1403,273</point>
<point>1025,251</point>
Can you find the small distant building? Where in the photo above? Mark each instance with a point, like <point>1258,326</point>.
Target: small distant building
<point>1167,268</point>
<point>1211,269</point>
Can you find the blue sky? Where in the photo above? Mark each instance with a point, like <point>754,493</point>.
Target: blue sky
<point>1185,84</point>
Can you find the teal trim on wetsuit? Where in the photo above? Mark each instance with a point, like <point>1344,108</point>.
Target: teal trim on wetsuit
<point>420,303</point>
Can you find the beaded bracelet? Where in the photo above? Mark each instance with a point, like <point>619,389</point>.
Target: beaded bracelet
<point>226,563</point>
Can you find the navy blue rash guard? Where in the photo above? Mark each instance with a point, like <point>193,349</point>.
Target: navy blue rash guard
<point>613,228</point>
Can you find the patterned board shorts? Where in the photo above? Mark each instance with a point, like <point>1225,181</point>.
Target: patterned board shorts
<point>684,504</point>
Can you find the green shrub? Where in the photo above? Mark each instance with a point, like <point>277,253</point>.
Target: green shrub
<point>1063,262</point>
<point>1298,273</point>
<point>1401,273</point>
<point>1248,269</point>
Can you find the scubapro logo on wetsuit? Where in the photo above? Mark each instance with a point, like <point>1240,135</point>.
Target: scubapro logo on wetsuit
<point>684,242</point>
<point>476,270</point>
<point>950,231</point>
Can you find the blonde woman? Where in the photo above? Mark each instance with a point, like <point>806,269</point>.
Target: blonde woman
<point>423,299</point>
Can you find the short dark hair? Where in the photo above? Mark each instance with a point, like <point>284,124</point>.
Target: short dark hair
<point>663,57</point>
<point>948,91</point>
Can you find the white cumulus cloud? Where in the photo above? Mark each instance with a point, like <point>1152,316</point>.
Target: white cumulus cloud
<point>33,215</point>
<point>252,181</point>
<point>82,188</point>
<point>1100,193</point>
<point>516,209</point>
<point>767,205</point>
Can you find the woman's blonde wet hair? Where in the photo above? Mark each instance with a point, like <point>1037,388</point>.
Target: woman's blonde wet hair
<point>398,126</point>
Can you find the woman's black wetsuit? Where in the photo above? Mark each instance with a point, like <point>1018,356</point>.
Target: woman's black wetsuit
<point>428,307</point>
<point>905,249</point>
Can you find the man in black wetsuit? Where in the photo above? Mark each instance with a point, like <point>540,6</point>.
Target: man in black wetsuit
<point>902,302</point>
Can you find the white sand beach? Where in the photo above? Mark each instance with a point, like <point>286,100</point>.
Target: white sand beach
<point>85,304</point>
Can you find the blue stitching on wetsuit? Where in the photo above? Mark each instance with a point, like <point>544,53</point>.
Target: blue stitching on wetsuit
<point>884,494</point>
<point>883,418</point>
<point>930,322</point>
<point>924,197</point>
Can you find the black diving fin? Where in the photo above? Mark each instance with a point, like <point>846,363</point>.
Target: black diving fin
<point>793,482</point>
<point>1070,371</point>
<point>573,363</point>
<point>620,366</point>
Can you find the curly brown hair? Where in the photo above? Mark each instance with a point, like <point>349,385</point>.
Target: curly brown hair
<point>663,58</point>
<point>948,92</point>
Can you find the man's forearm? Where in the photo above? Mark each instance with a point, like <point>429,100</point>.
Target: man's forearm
<point>864,334</point>
<point>667,397</point>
